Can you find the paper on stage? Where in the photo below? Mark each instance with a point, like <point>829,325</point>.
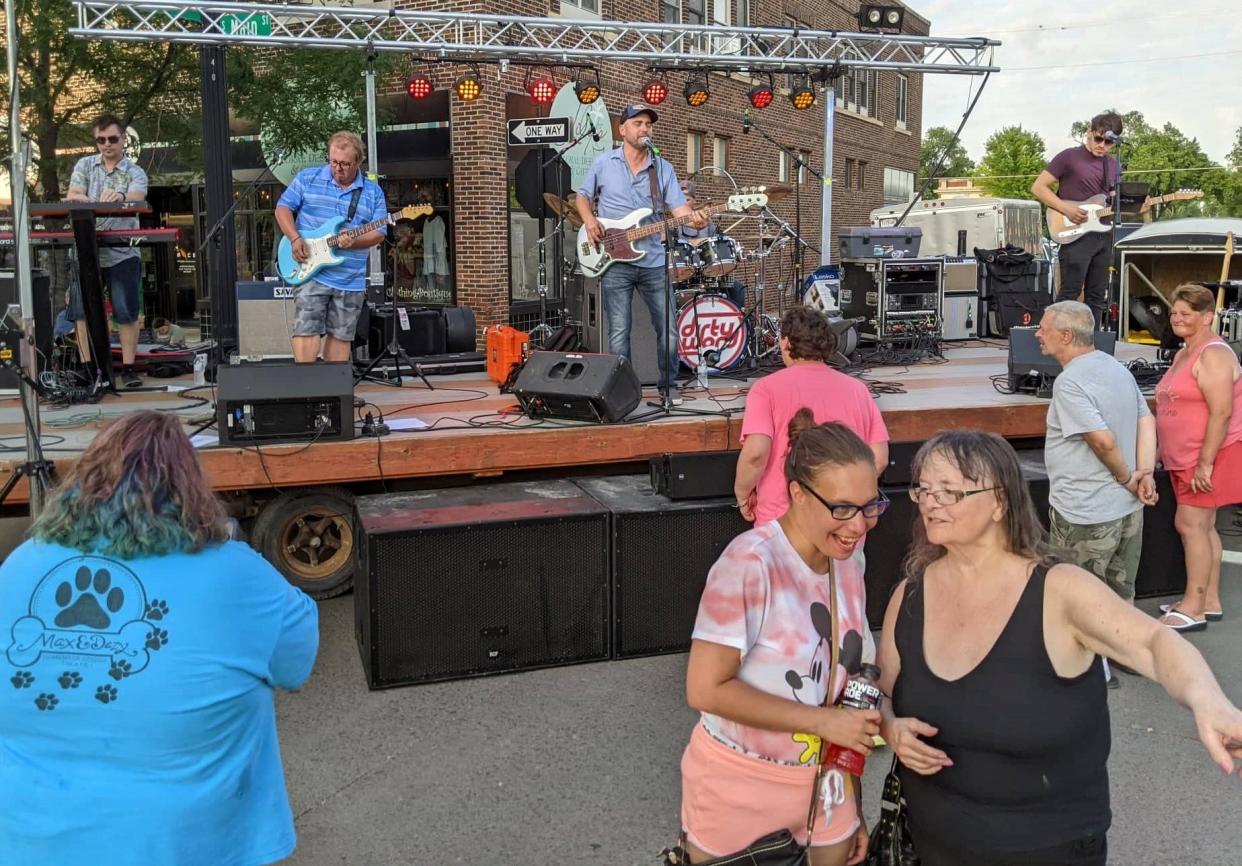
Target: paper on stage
<point>405,424</point>
<point>204,440</point>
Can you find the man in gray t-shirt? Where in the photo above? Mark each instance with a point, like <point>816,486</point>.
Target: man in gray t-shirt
<point>1100,449</point>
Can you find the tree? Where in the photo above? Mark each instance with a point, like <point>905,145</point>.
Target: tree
<point>956,164</point>
<point>1012,158</point>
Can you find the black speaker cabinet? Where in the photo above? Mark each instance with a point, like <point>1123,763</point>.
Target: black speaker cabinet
<point>423,333</point>
<point>1026,359</point>
<point>1162,567</point>
<point>577,386</point>
<point>480,580</point>
<point>694,475</point>
<point>44,308</point>
<point>661,553</point>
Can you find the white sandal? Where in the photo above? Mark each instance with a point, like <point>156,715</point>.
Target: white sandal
<point>1188,623</point>
<point>1208,615</point>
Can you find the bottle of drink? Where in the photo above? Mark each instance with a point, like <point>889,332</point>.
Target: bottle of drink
<point>200,369</point>
<point>861,692</point>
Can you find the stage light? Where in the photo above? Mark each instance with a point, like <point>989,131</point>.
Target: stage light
<point>881,17</point>
<point>696,92</point>
<point>587,89</point>
<point>541,88</point>
<point>761,95</point>
<point>801,95</point>
<point>893,18</point>
<point>419,86</point>
<point>655,91</point>
<point>469,87</point>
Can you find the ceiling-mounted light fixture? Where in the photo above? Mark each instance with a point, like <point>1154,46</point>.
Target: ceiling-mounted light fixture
<point>470,86</point>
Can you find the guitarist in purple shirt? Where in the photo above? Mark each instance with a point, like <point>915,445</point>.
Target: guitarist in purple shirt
<point>620,181</point>
<point>1082,172</point>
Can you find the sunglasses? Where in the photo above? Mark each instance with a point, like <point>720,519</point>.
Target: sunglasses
<point>107,139</point>
<point>1099,139</point>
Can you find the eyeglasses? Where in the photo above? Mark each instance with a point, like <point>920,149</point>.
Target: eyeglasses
<point>336,163</point>
<point>107,139</point>
<point>1099,139</point>
<point>847,510</point>
<point>945,497</point>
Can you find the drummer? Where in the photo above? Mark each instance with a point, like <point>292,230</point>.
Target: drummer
<point>736,290</point>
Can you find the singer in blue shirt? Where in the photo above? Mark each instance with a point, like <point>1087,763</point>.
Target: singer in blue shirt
<point>618,183</point>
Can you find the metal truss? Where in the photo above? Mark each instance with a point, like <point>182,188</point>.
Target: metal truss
<point>499,38</point>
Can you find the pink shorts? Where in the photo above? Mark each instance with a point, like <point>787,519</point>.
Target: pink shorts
<point>728,799</point>
<point>1226,481</point>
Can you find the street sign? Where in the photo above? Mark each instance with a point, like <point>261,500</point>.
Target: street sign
<point>254,24</point>
<point>539,130</point>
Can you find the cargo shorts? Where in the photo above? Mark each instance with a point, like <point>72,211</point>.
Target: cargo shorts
<point>1109,550</point>
<point>324,310</point>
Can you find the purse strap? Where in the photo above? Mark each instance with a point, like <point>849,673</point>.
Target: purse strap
<point>835,657</point>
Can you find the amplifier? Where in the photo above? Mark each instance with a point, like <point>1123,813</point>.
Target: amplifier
<point>480,580</point>
<point>265,313</point>
<point>258,404</point>
<point>1031,369</point>
<point>41,285</point>
<point>894,298</point>
<point>1229,326</point>
<point>697,475</point>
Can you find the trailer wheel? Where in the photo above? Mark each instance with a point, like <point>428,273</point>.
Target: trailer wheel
<point>309,536</point>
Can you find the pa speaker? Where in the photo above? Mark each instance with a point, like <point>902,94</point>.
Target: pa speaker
<point>41,287</point>
<point>695,475</point>
<point>480,580</point>
<point>588,302</point>
<point>1162,566</point>
<point>577,386</point>
<point>661,553</point>
<point>1026,359</point>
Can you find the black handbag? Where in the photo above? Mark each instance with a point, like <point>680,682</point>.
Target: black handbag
<point>891,844</point>
<point>779,848</point>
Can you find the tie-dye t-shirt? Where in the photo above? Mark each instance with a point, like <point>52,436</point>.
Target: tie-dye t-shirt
<point>763,600</point>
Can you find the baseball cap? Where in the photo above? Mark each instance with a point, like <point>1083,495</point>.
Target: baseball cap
<point>688,188</point>
<point>637,109</point>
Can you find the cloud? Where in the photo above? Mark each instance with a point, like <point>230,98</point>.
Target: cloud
<point>1197,94</point>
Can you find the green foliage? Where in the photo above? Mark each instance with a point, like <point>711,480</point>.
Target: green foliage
<point>1012,159</point>
<point>956,164</point>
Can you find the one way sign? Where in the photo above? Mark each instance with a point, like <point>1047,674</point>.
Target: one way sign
<point>538,130</point>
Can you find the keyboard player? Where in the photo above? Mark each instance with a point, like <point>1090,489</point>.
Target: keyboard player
<point>110,176</point>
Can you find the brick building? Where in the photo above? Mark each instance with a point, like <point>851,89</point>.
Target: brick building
<point>876,150</point>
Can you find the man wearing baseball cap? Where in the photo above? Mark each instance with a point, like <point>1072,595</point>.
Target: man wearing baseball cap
<point>620,181</point>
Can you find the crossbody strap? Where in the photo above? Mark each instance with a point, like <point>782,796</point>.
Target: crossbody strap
<point>835,658</point>
<point>353,205</point>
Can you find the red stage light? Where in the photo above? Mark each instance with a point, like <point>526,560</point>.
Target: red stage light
<point>761,96</point>
<point>419,86</point>
<point>542,90</point>
<point>655,91</point>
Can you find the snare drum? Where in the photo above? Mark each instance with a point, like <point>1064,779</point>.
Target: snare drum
<point>683,262</point>
<point>720,256</point>
<point>711,323</point>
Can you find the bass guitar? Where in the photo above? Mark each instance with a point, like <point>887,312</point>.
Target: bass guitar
<point>322,244</point>
<point>1061,230</point>
<point>617,244</point>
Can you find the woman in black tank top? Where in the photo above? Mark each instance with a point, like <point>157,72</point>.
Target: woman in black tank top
<point>991,652</point>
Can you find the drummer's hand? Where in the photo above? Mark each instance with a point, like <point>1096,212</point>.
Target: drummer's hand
<point>595,231</point>
<point>698,219</point>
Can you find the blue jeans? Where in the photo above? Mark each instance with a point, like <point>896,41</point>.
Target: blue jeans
<point>617,285</point>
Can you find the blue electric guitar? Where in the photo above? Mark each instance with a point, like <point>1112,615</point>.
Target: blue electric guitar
<point>322,243</point>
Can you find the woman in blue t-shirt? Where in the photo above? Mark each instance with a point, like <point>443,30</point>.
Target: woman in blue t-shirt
<point>142,651</point>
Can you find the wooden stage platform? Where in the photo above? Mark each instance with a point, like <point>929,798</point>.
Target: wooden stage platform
<point>474,431</point>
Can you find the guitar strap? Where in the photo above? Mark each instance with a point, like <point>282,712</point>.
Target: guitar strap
<point>353,205</point>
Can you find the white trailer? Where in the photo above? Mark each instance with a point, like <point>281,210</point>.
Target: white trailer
<point>956,226</point>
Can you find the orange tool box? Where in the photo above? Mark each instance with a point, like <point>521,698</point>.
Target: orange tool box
<point>506,347</point>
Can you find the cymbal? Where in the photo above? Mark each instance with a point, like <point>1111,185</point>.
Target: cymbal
<point>564,208</point>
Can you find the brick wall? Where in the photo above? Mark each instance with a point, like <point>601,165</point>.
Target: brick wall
<point>479,147</point>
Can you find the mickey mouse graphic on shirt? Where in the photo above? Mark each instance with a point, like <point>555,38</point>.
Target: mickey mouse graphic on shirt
<point>88,618</point>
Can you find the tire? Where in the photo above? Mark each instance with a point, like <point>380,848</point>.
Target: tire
<point>294,529</point>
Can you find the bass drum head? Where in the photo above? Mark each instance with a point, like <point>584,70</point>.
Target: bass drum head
<point>713,327</point>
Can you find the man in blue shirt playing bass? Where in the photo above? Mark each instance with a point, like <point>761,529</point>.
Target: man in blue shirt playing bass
<point>328,306</point>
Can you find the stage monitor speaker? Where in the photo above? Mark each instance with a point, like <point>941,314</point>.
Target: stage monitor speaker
<point>661,553</point>
<point>577,386</point>
<point>1027,360</point>
<point>695,475</point>
<point>41,286</point>
<point>644,353</point>
<point>421,332</point>
<point>259,404</point>
<point>480,580</point>
<point>265,314</point>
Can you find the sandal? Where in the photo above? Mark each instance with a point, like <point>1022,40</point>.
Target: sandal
<point>1208,615</point>
<point>1188,623</point>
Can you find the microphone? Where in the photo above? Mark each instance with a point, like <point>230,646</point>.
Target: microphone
<point>650,145</point>
<point>1113,137</point>
<point>745,120</point>
<point>711,357</point>
<point>594,131</point>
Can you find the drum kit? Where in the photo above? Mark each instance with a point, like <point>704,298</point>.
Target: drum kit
<point>716,330</point>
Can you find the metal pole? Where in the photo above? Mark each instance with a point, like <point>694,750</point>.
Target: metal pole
<point>825,229</point>
<point>21,245</point>
<point>375,269</point>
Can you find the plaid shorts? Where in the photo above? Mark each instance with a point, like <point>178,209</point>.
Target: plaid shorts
<point>324,310</point>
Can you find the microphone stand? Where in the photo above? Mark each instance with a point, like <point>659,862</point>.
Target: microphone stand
<point>543,332</point>
<point>1113,290</point>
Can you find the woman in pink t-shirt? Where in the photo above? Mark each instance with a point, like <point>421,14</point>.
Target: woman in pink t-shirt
<point>807,342</point>
<point>759,662</point>
<point>1199,430</point>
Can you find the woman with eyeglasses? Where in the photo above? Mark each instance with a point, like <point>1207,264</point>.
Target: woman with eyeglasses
<point>761,656</point>
<point>992,651</point>
<point>1199,433</point>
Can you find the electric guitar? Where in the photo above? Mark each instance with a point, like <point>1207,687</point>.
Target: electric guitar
<point>1065,232</point>
<point>322,244</point>
<point>620,234</point>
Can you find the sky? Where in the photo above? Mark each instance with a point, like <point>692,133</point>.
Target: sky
<point>1188,79</point>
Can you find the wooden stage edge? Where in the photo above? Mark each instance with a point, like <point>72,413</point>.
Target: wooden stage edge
<point>932,397</point>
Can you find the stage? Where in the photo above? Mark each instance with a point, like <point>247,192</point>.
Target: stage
<point>474,431</point>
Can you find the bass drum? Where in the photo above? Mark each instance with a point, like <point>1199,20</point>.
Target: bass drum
<point>713,329</point>
<point>720,256</point>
